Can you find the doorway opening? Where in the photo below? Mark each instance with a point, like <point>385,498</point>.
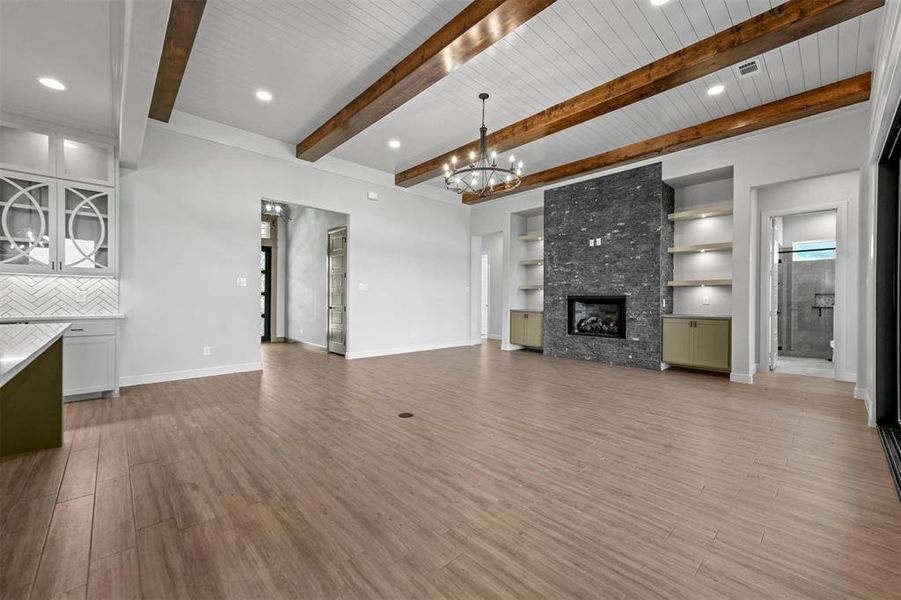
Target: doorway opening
<point>485,299</point>
<point>802,254</point>
<point>266,293</point>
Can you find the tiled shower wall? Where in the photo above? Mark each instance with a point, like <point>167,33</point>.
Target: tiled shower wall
<point>45,295</point>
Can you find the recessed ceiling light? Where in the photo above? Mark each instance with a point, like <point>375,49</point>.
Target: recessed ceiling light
<point>394,144</point>
<point>659,2</point>
<point>53,84</point>
<point>264,95</point>
<point>715,89</point>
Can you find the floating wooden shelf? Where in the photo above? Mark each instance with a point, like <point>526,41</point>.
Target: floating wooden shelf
<point>702,212</point>
<point>715,247</point>
<point>533,236</point>
<point>700,282</point>
<point>531,261</point>
<point>532,286</point>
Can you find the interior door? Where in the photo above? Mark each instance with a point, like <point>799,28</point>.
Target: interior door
<point>484,300</point>
<point>337,290</point>
<point>774,241</point>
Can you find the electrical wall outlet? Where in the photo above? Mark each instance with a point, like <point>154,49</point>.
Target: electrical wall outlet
<point>363,287</point>
<point>372,195</point>
<point>597,241</point>
<point>241,281</point>
<point>207,351</point>
<point>591,242</point>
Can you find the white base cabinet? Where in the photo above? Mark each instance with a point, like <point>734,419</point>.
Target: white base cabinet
<point>89,360</point>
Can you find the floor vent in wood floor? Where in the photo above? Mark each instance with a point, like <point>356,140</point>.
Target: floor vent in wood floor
<point>891,443</point>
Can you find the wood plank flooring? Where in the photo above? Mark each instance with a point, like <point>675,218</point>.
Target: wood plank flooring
<point>519,476</point>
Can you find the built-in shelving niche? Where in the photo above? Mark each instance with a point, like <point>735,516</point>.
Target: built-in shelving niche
<point>702,243</point>
<point>527,249</point>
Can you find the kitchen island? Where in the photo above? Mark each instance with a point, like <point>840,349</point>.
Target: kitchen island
<point>31,386</point>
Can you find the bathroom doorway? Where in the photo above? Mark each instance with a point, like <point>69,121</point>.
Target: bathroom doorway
<point>803,284</point>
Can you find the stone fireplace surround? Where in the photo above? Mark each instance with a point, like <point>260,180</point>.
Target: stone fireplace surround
<point>628,212</point>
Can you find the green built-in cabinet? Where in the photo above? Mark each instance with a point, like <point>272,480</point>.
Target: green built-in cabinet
<point>698,342</point>
<point>527,328</point>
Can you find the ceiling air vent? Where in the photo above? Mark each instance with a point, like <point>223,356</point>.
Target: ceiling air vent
<point>749,68</point>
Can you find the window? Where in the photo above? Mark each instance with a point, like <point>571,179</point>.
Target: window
<point>813,250</point>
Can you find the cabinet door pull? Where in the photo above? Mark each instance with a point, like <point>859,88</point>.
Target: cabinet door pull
<point>76,329</point>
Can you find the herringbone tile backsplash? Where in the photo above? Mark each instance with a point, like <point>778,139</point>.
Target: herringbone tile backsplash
<point>27,295</point>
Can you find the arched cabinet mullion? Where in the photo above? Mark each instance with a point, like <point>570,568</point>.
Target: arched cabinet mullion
<point>28,224</point>
<point>87,234</point>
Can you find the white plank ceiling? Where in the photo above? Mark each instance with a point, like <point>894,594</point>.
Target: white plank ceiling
<point>69,41</point>
<point>315,56</point>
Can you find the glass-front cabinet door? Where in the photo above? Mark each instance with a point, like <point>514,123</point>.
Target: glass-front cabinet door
<point>28,224</point>
<point>87,235</point>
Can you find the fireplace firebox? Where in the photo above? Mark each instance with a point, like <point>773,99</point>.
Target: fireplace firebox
<point>600,316</point>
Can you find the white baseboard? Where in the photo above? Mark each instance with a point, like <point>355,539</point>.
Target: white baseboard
<point>862,394</point>
<point>406,349</point>
<point>493,336</point>
<point>506,346</point>
<point>296,341</point>
<point>846,376</point>
<point>127,380</point>
<point>741,377</point>
<point>664,366</point>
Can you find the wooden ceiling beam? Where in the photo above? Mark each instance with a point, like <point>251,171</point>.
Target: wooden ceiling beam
<point>184,20</point>
<point>476,28</point>
<point>787,22</point>
<point>829,97</point>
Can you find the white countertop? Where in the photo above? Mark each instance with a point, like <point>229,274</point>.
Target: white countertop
<point>58,318</point>
<point>21,344</point>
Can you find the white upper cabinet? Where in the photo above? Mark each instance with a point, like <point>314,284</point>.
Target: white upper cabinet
<point>29,151</point>
<point>28,223</point>
<point>57,155</point>
<point>87,235</point>
<point>55,226</point>
<point>90,162</point>
<point>57,203</point>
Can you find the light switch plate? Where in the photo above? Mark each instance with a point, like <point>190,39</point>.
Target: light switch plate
<point>705,300</point>
<point>372,195</point>
<point>597,241</point>
<point>591,242</point>
<point>363,287</point>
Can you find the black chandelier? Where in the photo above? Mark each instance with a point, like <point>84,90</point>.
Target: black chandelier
<point>482,176</point>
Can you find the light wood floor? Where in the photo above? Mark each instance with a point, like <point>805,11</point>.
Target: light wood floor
<point>519,476</point>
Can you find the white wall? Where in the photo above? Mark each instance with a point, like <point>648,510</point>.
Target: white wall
<point>190,226</point>
<point>841,191</point>
<point>809,226</point>
<point>307,272</point>
<point>493,245</point>
<point>832,143</point>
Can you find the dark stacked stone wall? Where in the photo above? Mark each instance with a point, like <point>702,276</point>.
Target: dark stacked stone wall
<point>628,211</point>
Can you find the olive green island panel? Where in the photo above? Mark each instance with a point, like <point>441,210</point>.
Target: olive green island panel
<point>31,387</point>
